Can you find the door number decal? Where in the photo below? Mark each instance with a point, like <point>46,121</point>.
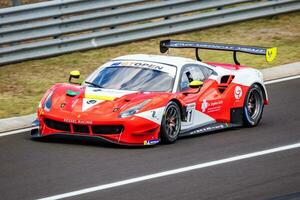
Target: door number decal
<point>190,111</point>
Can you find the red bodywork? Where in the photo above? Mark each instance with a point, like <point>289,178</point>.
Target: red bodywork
<point>133,130</point>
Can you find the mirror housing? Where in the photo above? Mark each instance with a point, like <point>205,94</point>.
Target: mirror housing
<point>195,84</point>
<point>74,74</point>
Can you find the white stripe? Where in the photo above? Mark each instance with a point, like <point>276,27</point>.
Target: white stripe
<point>282,79</point>
<point>171,172</point>
<point>15,132</point>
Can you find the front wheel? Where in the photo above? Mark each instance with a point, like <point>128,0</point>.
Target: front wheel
<point>253,106</point>
<point>171,123</point>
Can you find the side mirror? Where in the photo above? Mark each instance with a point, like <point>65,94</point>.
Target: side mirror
<point>195,84</point>
<point>74,74</point>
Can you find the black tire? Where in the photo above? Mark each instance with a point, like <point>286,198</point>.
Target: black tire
<point>253,106</point>
<point>171,124</point>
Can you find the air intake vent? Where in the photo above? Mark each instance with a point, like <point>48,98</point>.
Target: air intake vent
<point>61,126</point>
<point>107,129</point>
<point>225,81</point>
<point>81,128</point>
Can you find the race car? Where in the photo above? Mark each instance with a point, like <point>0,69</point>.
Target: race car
<point>146,99</point>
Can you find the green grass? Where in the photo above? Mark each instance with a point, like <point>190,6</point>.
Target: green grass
<point>23,84</point>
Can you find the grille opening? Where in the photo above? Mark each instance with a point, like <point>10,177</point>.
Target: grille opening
<point>107,129</point>
<point>61,126</point>
<point>81,128</point>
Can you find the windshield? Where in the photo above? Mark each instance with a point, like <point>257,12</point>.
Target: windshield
<point>132,78</point>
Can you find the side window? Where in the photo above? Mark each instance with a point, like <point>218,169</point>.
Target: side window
<point>191,73</point>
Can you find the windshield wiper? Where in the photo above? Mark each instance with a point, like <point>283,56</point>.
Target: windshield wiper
<point>93,84</point>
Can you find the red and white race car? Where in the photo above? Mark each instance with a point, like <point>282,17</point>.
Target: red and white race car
<point>146,99</point>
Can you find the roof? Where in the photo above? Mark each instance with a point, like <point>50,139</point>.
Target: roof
<point>165,59</point>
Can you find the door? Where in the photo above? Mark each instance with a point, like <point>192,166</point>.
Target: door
<point>200,106</point>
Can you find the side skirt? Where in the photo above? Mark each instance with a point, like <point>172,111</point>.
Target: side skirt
<point>208,128</point>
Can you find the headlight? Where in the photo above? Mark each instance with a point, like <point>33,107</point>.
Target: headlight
<point>48,102</point>
<point>131,111</point>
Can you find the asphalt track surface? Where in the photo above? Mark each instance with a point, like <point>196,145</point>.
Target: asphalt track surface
<point>34,169</point>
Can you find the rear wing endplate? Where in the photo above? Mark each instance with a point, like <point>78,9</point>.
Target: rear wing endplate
<point>269,52</point>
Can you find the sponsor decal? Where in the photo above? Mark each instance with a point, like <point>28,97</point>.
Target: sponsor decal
<point>204,105</point>
<point>238,92</point>
<point>116,64</point>
<point>88,103</point>
<point>77,121</point>
<point>199,119</point>
<point>148,65</point>
<point>150,142</point>
<point>154,115</point>
<point>99,97</point>
<point>97,90</point>
<point>92,101</point>
<point>209,128</point>
<point>271,54</point>
<point>104,94</point>
<point>212,106</point>
<point>93,96</point>
<point>143,65</point>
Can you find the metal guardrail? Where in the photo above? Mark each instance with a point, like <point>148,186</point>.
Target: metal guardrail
<point>62,26</point>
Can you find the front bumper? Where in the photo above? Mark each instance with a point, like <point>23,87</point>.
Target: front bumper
<point>35,134</point>
<point>136,132</point>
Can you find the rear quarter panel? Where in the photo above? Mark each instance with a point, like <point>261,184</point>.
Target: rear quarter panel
<point>249,76</point>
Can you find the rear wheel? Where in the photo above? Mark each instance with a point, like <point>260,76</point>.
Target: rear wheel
<point>171,123</point>
<point>253,106</point>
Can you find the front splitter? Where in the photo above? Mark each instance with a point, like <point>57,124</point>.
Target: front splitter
<point>35,134</point>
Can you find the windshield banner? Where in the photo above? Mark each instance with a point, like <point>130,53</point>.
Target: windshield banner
<point>147,65</point>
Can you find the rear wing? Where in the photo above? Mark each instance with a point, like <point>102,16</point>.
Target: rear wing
<point>268,52</point>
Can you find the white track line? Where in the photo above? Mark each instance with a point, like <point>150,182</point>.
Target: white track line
<point>15,132</point>
<point>267,82</point>
<point>282,79</point>
<point>171,172</point>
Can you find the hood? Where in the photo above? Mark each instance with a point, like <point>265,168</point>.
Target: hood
<point>97,101</point>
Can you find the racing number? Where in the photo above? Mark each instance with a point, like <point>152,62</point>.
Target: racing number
<point>190,110</point>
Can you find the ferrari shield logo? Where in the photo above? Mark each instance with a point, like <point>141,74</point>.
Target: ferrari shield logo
<point>271,54</point>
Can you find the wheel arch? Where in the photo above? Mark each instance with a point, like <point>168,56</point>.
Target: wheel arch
<point>249,77</point>
<point>164,134</point>
<point>181,107</point>
<point>264,91</point>
<point>248,121</point>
